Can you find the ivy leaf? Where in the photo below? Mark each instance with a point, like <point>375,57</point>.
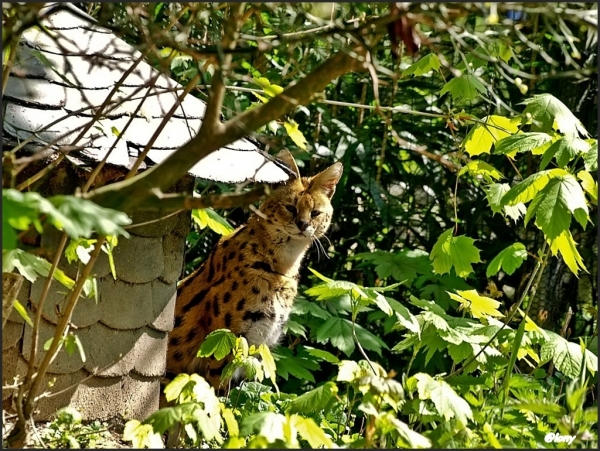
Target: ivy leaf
<point>494,194</point>
<point>479,306</point>
<point>482,169</point>
<point>509,260</point>
<point>565,244</point>
<point>567,356</point>
<point>555,203</point>
<point>464,88</point>
<point>446,401</point>
<point>207,217</point>
<point>548,113</point>
<point>536,143</point>
<point>487,132</point>
<point>314,400</point>
<point>294,132</point>
<point>423,66</point>
<point>219,343</point>
<point>564,150</point>
<point>451,251</point>
<point>527,189</point>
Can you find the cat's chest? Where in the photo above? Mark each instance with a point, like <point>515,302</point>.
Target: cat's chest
<point>268,329</point>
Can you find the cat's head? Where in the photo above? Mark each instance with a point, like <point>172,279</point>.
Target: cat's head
<point>302,207</point>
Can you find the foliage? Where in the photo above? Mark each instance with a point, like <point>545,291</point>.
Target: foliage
<point>68,431</point>
<point>469,170</point>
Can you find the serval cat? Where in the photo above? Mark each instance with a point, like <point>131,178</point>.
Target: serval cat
<point>249,281</point>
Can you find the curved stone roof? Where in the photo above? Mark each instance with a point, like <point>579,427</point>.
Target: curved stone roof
<point>58,82</point>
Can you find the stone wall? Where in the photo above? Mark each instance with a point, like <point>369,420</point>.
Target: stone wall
<point>124,334</point>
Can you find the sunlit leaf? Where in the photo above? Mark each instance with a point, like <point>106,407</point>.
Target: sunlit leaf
<point>219,343</point>
<point>294,132</point>
<point>564,150</point>
<point>207,217</point>
<point>314,400</point>
<point>548,113</point>
<point>535,143</point>
<point>458,252</point>
<point>446,401</point>
<point>479,306</point>
<point>487,132</point>
<point>565,244</point>
<point>482,169</point>
<point>423,66</point>
<point>464,88</point>
<point>508,259</point>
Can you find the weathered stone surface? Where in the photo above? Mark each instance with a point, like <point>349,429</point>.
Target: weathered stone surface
<point>141,349</point>
<point>138,259</point>
<point>125,306</point>
<point>10,360</point>
<point>11,334</point>
<point>86,312</point>
<point>173,248</point>
<point>184,224</point>
<point>64,363</point>
<point>163,305</point>
<point>159,227</point>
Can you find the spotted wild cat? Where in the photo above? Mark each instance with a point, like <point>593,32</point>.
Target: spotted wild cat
<point>249,281</point>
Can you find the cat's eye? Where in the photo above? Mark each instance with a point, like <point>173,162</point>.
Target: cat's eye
<point>315,213</point>
<point>291,209</point>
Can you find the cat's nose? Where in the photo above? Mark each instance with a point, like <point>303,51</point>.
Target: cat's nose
<point>302,225</point>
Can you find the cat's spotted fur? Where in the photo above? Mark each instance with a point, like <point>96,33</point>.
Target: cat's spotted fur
<point>249,281</point>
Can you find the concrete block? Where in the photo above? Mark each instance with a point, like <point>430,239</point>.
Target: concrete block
<point>158,226</point>
<point>184,224</point>
<point>125,306</point>
<point>63,363</point>
<point>138,259</point>
<point>86,312</point>
<point>10,360</point>
<point>174,249</point>
<point>143,349</point>
<point>163,305</point>
<point>11,334</point>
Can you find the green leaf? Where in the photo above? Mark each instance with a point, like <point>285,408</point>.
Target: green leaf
<point>451,251</point>
<point>404,265</point>
<point>322,355</point>
<point>413,439</point>
<point>590,158</point>
<point>338,332</point>
<point>464,88</point>
<point>423,66</point>
<point>541,408</point>
<point>21,310</point>
<point>268,363</point>
<point>299,367</point>
<point>527,189</point>
<point>588,184</point>
<point>314,400</point>
<point>567,356</point>
<point>311,432</point>
<point>487,132</point>
<point>509,260</point>
<point>176,386</point>
<point>555,203</point>
<point>207,217</point>
<point>565,244</point>
<point>294,132</point>
<point>219,343</point>
<point>72,344</point>
<point>564,150</point>
<point>268,424</point>
<point>494,194</point>
<point>482,169</point>
<point>270,89</point>
<point>479,306</point>
<point>535,143</point>
<point>446,401</point>
<point>80,217</point>
<point>548,113</point>
<point>142,435</point>
<point>31,266</point>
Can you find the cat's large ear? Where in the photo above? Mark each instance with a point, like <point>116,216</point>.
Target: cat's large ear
<point>288,159</point>
<point>328,179</point>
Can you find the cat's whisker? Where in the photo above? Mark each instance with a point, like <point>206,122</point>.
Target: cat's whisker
<point>325,236</point>
<point>319,245</point>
